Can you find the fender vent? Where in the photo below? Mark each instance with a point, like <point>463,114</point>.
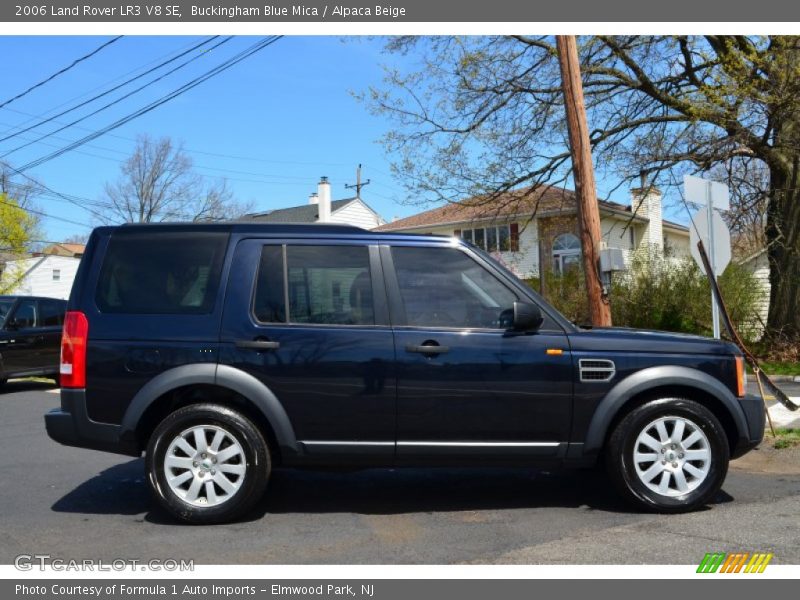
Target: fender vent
<point>594,370</point>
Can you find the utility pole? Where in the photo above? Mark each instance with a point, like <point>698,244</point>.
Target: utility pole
<point>588,211</point>
<point>358,184</point>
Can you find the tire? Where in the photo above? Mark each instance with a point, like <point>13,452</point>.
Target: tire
<point>217,485</point>
<point>681,478</point>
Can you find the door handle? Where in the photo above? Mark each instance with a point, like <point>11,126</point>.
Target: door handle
<point>257,344</point>
<point>429,349</point>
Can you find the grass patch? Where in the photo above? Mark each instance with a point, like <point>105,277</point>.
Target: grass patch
<point>779,368</point>
<point>786,438</point>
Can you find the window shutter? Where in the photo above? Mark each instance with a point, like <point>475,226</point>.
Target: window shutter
<point>457,233</point>
<point>514,230</point>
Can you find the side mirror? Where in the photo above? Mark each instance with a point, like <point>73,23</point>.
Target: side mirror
<point>12,325</point>
<point>527,317</point>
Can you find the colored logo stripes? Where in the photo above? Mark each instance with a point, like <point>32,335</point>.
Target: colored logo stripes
<point>739,562</point>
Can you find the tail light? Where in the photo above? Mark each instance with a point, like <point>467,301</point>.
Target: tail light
<point>73,350</point>
<point>741,377</point>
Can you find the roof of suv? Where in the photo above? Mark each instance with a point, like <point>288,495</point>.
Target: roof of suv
<point>278,229</point>
<point>23,296</point>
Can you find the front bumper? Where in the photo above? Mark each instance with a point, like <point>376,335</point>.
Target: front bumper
<point>70,425</point>
<point>756,417</point>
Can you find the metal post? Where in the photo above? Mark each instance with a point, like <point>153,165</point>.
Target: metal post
<point>712,258</point>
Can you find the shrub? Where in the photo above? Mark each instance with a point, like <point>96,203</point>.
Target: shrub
<point>669,294</point>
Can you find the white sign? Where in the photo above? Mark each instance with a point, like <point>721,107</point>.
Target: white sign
<point>718,250</point>
<point>698,191</point>
<point>707,225</point>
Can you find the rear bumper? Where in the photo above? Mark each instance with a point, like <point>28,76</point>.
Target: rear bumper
<point>70,425</point>
<point>755,416</point>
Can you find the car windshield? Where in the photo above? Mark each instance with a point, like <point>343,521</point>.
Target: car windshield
<point>5,306</point>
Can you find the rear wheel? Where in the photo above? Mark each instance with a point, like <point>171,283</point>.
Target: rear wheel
<point>207,463</point>
<point>668,455</point>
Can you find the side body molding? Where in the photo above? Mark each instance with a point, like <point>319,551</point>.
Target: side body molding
<point>224,376</point>
<point>656,377</point>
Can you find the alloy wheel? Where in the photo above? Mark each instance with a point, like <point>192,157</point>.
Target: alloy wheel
<point>205,465</point>
<point>672,456</point>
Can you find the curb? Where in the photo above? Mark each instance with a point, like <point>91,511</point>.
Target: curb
<point>784,378</point>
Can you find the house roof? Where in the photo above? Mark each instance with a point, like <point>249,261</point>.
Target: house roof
<point>65,249</point>
<point>752,257</point>
<point>518,203</point>
<point>305,213</point>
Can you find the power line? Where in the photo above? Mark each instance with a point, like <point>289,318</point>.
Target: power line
<point>113,89</point>
<point>290,179</point>
<point>43,214</point>
<point>64,70</point>
<point>193,150</point>
<point>40,186</point>
<point>153,105</point>
<point>117,101</point>
<point>94,89</point>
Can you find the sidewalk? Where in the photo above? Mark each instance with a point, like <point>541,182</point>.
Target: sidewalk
<point>782,416</point>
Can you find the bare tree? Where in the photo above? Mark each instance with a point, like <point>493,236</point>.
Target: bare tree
<point>748,181</point>
<point>485,115</point>
<point>77,238</point>
<point>23,189</point>
<point>158,183</point>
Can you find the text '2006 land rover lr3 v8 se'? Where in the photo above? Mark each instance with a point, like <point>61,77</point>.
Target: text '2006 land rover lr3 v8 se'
<point>221,351</point>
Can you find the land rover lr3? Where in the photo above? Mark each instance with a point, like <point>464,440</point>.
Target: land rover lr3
<point>224,350</point>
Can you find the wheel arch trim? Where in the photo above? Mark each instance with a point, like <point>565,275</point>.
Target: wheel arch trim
<point>650,379</point>
<point>224,376</point>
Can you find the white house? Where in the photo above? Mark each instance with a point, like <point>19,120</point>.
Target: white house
<point>504,227</point>
<point>49,275</point>
<point>321,209</point>
<point>758,264</point>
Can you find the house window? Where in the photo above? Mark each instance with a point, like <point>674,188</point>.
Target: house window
<point>566,253</point>
<point>502,238</point>
<point>56,274</point>
<point>491,239</point>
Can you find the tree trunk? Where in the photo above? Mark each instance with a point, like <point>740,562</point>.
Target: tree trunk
<point>783,253</point>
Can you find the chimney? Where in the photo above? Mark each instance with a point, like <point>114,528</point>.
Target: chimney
<point>324,201</point>
<point>648,201</point>
<point>313,198</point>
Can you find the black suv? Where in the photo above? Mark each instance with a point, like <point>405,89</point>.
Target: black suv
<point>30,336</point>
<point>222,351</point>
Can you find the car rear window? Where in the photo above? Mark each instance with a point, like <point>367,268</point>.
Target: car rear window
<point>165,273</point>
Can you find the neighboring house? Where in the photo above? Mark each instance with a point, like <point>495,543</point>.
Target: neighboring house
<point>71,250</point>
<point>758,264</point>
<point>321,209</point>
<point>505,228</point>
<point>50,276</point>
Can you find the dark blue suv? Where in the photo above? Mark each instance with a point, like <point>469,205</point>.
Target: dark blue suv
<point>221,351</point>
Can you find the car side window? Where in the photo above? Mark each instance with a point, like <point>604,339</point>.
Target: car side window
<point>269,302</point>
<point>444,287</point>
<point>51,314</point>
<point>327,285</point>
<point>172,273</point>
<point>25,315</point>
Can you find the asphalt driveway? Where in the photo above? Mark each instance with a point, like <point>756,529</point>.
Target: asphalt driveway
<point>74,504</point>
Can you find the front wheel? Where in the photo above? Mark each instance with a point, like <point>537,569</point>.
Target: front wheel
<point>206,463</point>
<point>668,455</point>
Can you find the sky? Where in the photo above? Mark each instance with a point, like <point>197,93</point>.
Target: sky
<point>271,125</point>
